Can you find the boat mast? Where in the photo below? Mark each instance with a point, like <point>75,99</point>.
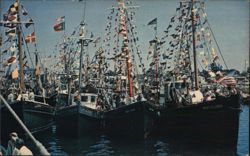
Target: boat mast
<point>84,42</point>
<point>156,59</point>
<point>80,66</point>
<point>194,49</point>
<point>125,45</point>
<point>19,34</point>
<point>100,61</point>
<point>87,66</point>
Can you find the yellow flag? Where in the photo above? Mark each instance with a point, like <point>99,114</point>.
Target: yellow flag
<point>38,70</point>
<point>14,73</point>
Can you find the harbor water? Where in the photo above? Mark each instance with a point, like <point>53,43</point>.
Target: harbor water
<point>107,145</point>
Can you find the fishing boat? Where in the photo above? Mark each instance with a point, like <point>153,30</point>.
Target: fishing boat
<point>66,112</point>
<point>37,116</point>
<point>82,107</point>
<point>199,105</point>
<point>131,114</point>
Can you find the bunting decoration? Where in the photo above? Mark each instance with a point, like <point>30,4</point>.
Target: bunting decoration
<point>120,32</point>
<point>10,60</point>
<point>13,8</point>
<point>10,53</point>
<point>60,24</point>
<point>178,35</point>
<point>30,38</point>
<point>14,74</point>
<point>10,32</point>
<point>97,40</point>
<point>24,11</point>
<point>29,23</point>
<point>13,47</point>
<point>152,22</point>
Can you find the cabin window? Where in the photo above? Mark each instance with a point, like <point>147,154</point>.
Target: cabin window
<point>93,98</point>
<point>84,98</point>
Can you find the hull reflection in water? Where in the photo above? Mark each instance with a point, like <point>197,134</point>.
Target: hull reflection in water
<point>214,122</point>
<point>105,144</point>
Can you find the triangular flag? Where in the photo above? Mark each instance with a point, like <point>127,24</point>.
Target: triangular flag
<point>24,11</point>
<point>154,21</point>
<point>14,74</point>
<point>11,32</point>
<point>29,23</point>
<point>13,47</point>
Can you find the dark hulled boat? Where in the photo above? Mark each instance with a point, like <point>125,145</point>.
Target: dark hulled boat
<point>131,114</point>
<point>82,115</point>
<point>211,122</point>
<point>199,107</point>
<point>37,116</point>
<point>79,109</point>
<point>133,120</point>
<point>8,122</point>
<point>90,115</point>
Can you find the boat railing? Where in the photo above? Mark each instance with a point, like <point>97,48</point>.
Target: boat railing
<point>37,102</point>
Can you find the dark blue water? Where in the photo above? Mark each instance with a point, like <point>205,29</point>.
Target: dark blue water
<point>103,145</point>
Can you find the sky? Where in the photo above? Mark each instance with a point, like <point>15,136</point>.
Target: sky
<point>229,20</point>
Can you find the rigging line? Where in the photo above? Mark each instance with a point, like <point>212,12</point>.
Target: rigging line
<point>206,44</point>
<point>167,33</point>
<point>214,38</point>
<point>26,45</point>
<point>184,27</point>
<point>187,46</point>
<point>133,36</point>
<point>135,44</point>
<point>36,47</point>
<point>117,26</point>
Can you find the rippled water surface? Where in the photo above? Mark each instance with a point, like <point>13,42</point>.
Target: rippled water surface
<point>103,145</point>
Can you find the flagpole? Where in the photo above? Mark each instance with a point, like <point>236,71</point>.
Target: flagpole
<point>36,51</point>
<point>194,49</point>
<point>22,86</point>
<point>156,57</point>
<point>156,60</point>
<point>156,29</point>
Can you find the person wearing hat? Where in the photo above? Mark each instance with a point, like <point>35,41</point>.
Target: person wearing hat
<point>21,149</point>
<point>11,143</point>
